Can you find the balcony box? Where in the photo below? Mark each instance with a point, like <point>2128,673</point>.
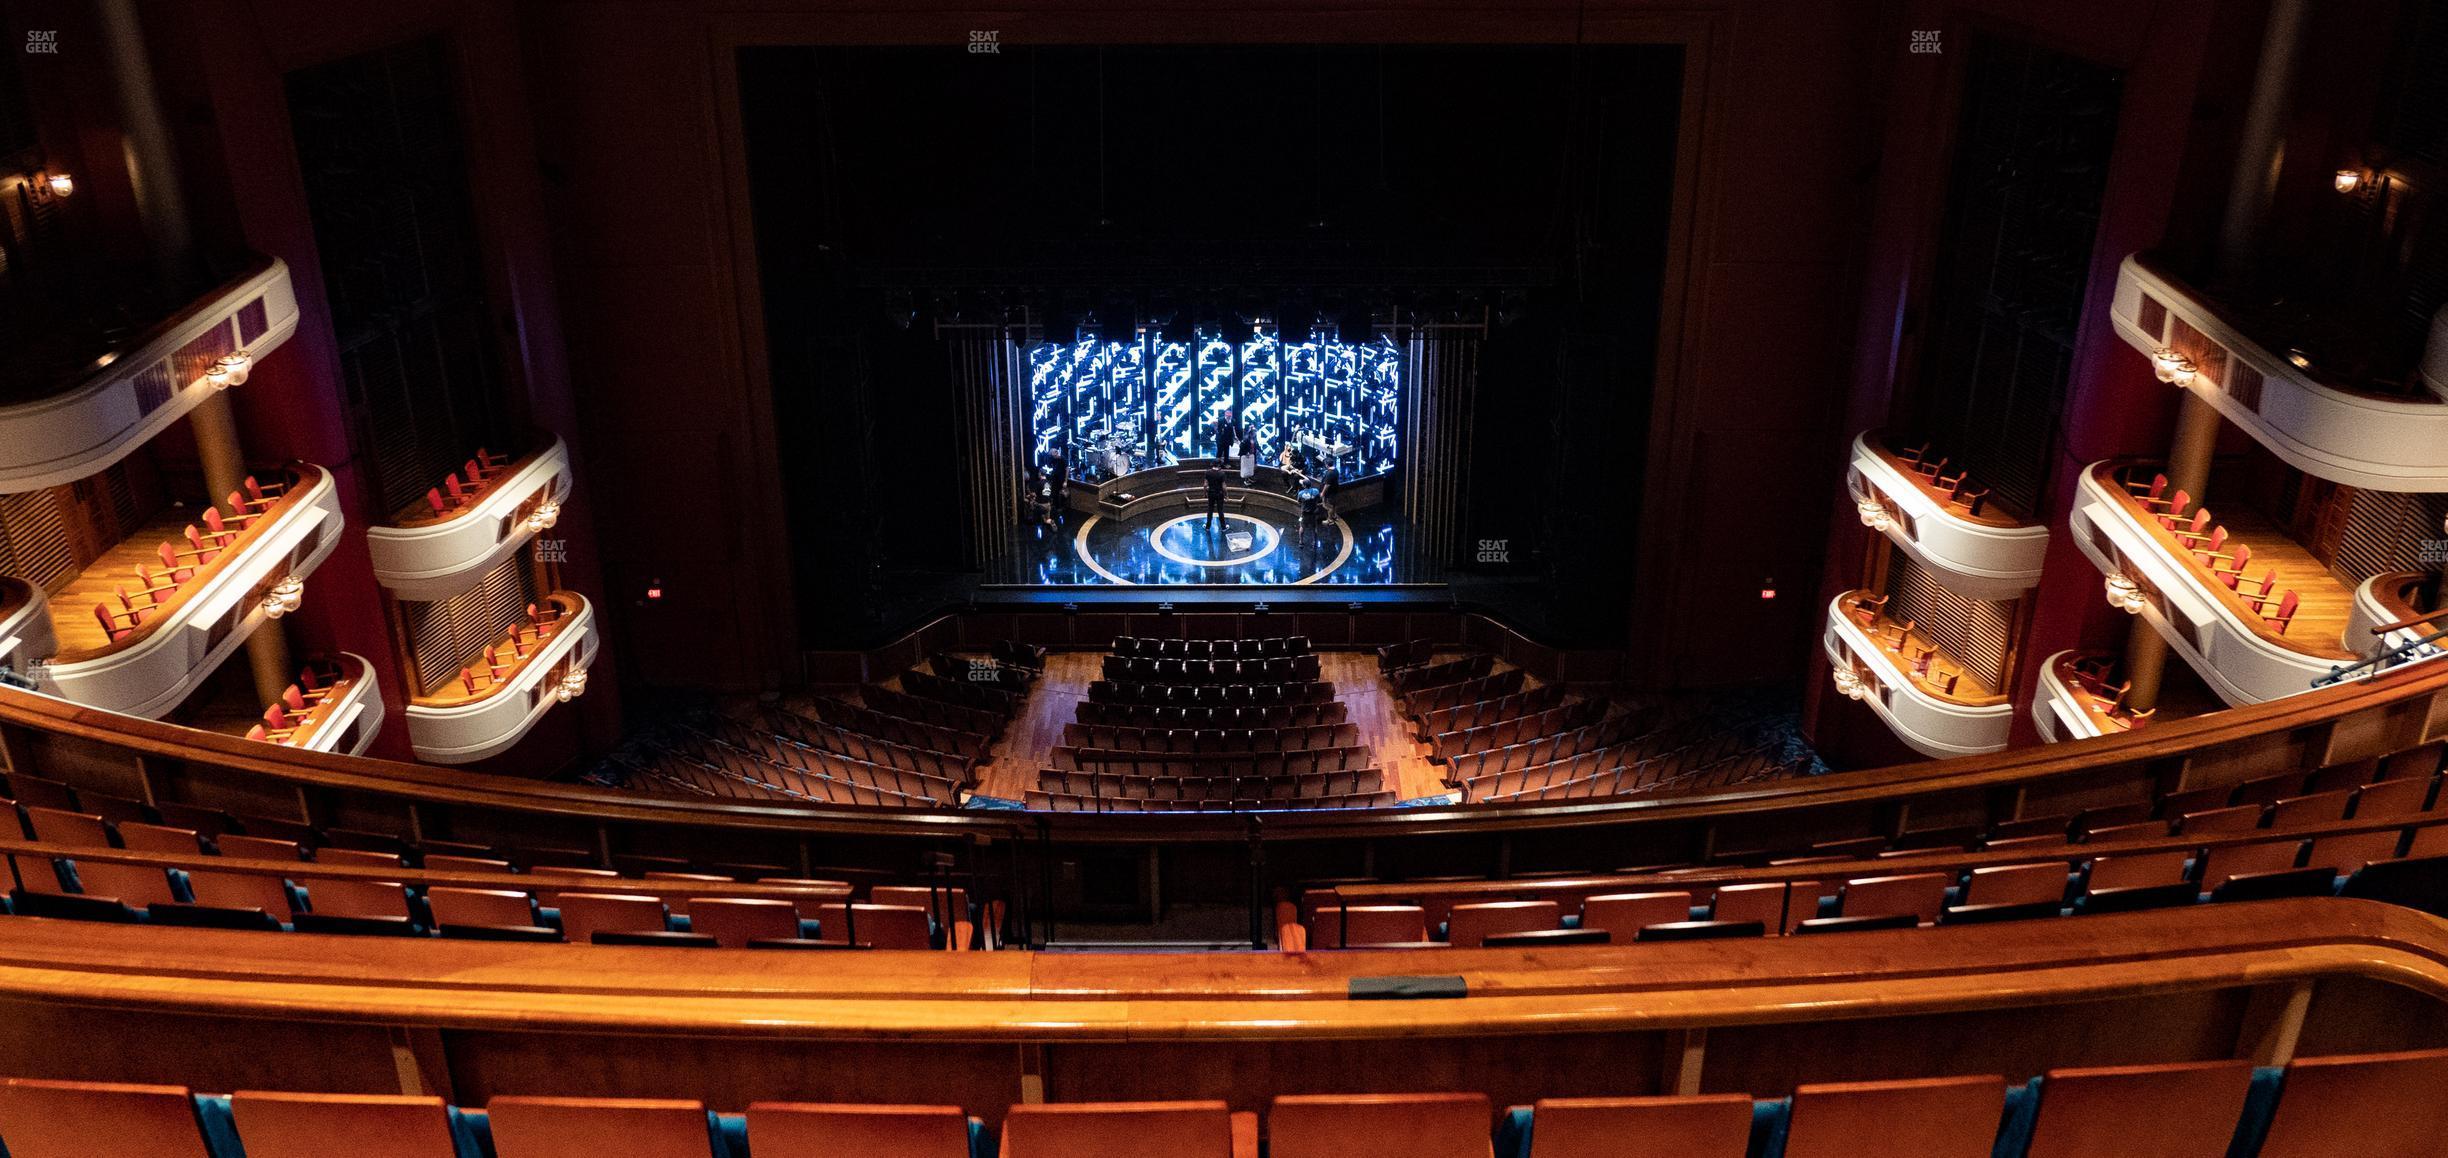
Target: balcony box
<point>1933,723</point>
<point>1990,555</point>
<point>26,638</point>
<point>2388,442</point>
<point>126,397</point>
<point>453,728</point>
<point>153,667</point>
<point>427,556</point>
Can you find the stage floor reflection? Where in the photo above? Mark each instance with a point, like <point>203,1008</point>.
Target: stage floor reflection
<point>1185,547</point>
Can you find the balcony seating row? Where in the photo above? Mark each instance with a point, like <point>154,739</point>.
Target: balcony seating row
<point>482,472</point>
<point>2373,1105</point>
<point>219,534</point>
<point>1407,681</point>
<point>1283,669</point>
<point>1607,733</point>
<point>1067,758</point>
<point>978,695</point>
<point>983,671</point>
<point>1450,746</point>
<point>509,652</point>
<point>1920,660</point>
<point>893,729</point>
<point>1957,488</point>
<point>1497,709</point>
<point>860,746</point>
<point>1408,653</point>
<point>1069,802</point>
<point>1213,715</point>
<point>1209,741</point>
<point>550,904</point>
<point>745,751</point>
<point>1275,788</point>
<point>2095,678</point>
<point>301,709</point>
<point>1211,695</point>
<point>2205,541</point>
<point>1153,647</point>
<point>683,774</point>
<point>933,713</point>
<point>1487,687</point>
<point>1719,763</point>
<point>1013,653</point>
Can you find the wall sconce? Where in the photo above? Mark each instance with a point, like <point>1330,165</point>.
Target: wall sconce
<point>1849,681</point>
<point>2347,180</point>
<point>542,518</point>
<point>234,366</point>
<point>2172,367</point>
<point>572,686</point>
<point>1874,515</point>
<point>57,184</point>
<point>2125,594</point>
<point>285,596</point>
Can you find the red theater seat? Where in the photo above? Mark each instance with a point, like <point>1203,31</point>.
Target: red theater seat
<point>1412,1125</point>
<point>877,926</point>
<point>54,826</point>
<point>1623,915</point>
<point>585,914</point>
<point>2150,1111</point>
<point>1929,1118</point>
<point>812,1130</point>
<point>283,1125</point>
<point>40,1119</point>
<point>136,837</point>
<point>1471,925</point>
<point>1121,1130</point>
<point>1714,1126</point>
<point>1360,926</point>
<point>2367,1106</point>
<point>735,922</point>
<point>597,1127</point>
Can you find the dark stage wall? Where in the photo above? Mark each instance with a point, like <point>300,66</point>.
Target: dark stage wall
<point>646,187</point>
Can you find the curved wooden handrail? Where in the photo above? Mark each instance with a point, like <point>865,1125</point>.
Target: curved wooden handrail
<point>1061,997</point>
<point>301,478</point>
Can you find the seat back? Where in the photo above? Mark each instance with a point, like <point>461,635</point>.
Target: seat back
<point>40,1119</point>
<point>339,898</point>
<point>446,863</point>
<point>2391,798</point>
<point>2241,818</point>
<point>814,1130</point>
<point>258,847</point>
<point>2136,870</point>
<point>595,1127</point>
<point>2384,1105</point>
<point>1920,895</point>
<point>1623,915</point>
<point>1412,1125</point>
<point>1359,926</point>
<point>1115,1130</point>
<point>1927,1118</point>
<point>2148,1111</point>
<point>2261,856</point>
<point>584,914</point>
<point>59,826</point>
<point>228,890</point>
<point>2344,854</point>
<point>1712,1126</point>
<point>1471,924</point>
<point>358,858</point>
<point>134,885</point>
<point>283,1125</point>
<point>2017,884</point>
<point>453,906</point>
<point>1764,903</point>
<point>878,926</point>
<point>936,902</point>
<point>139,837</point>
<point>735,921</point>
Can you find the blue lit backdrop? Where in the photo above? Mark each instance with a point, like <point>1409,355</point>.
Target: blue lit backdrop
<point>1156,400</point>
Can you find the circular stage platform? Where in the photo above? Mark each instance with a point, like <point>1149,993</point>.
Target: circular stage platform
<point>1253,544</point>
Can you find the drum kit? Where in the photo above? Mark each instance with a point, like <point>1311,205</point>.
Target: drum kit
<point>1111,450</point>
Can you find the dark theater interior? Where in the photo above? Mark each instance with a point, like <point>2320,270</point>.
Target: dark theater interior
<point>1224,579</point>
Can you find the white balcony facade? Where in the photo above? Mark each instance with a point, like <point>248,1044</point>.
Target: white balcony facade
<point>2381,602</point>
<point>349,720</point>
<point>1932,724</point>
<point>461,730</point>
<point>26,636</point>
<point>157,665</point>
<point>429,559</point>
<point>2354,437</point>
<point>1984,557</point>
<point>135,394</point>
<point>2231,648</point>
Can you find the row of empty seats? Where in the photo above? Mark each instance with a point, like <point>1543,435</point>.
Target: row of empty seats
<point>1451,746</point>
<point>2384,1105</point>
<point>180,566</point>
<point>1292,763</point>
<point>729,743</point>
<point>894,729</point>
<point>933,713</point>
<point>978,695</point>
<point>1955,489</point>
<point>1417,704</point>
<point>1156,647</point>
<point>1276,788</point>
<point>501,660</point>
<point>1213,715</point>
<point>1478,713</point>
<point>1075,802</point>
<point>468,485</point>
<point>1211,695</point>
<point>2100,682</point>
<point>956,767</point>
<point>2203,543</point>
<point>972,669</point>
<point>1409,680</point>
<point>1206,741</point>
<point>1283,669</point>
<point>304,706</point>
<point>1463,767</point>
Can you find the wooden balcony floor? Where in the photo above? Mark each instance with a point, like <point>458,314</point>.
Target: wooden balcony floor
<point>2327,603</point>
<point>72,606</point>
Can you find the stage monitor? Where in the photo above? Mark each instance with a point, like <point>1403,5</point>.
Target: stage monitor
<point>1111,408</point>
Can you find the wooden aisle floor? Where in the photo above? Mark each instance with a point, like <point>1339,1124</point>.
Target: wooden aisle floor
<point>1029,740</point>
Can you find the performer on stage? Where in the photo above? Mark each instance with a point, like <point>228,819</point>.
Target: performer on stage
<point>1215,494</point>
<point>1227,433</point>
<point>1058,491</point>
<point>1249,457</point>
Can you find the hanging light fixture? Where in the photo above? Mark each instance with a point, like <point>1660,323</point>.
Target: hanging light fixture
<point>2125,594</point>
<point>285,596</point>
